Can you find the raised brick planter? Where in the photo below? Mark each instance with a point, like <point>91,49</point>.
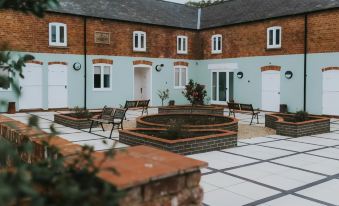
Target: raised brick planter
<point>191,110</point>
<point>203,121</point>
<point>68,121</point>
<point>204,141</point>
<point>315,125</point>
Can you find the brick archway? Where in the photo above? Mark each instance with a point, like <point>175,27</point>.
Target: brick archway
<point>137,62</point>
<point>35,62</point>
<point>102,61</point>
<point>329,69</point>
<point>62,63</point>
<point>270,68</point>
<point>181,63</point>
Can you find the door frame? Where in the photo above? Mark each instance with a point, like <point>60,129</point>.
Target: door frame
<point>326,71</point>
<point>41,83</point>
<point>144,66</point>
<point>228,68</point>
<point>67,86</point>
<point>262,96</point>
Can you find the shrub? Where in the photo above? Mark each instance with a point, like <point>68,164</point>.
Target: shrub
<point>301,116</point>
<point>163,95</point>
<point>81,113</point>
<point>195,93</point>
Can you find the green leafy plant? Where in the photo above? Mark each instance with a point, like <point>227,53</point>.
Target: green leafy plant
<point>163,95</point>
<point>301,116</point>
<point>81,113</point>
<point>195,93</point>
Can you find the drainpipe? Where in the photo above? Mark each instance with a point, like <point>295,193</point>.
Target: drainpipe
<point>305,61</point>
<point>85,62</point>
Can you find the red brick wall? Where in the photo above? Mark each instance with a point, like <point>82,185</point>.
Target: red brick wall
<point>245,40</point>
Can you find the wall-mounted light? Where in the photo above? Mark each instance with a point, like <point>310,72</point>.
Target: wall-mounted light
<point>159,67</point>
<point>288,75</point>
<point>240,75</point>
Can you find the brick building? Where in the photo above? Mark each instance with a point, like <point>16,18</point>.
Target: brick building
<point>263,52</point>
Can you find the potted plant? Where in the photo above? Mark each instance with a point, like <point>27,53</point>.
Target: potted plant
<point>163,95</point>
<point>195,93</point>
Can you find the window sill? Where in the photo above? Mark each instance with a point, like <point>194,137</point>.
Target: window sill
<point>273,48</point>
<point>102,90</point>
<point>182,53</point>
<point>58,47</point>
<point>142,51</point>
<point>217,52</point>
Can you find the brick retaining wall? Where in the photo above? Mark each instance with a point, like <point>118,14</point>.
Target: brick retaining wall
<point>72,122</point>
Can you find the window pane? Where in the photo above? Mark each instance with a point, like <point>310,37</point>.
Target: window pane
<point>176,76</point>
<point>219,44</point>
<point>222,86</point>
<point>214,43</point>
<point>142,41</point>
<point>179,44</point>
<point>184,44</point>
<point>136,41</point>
<point>62,34</point>
<point>107,77</point>
<point>277,37</point>
<point>97,77</point>
<point>271,37</point>
<point>54,35</point>
<point>214,86</point>
<point>183,77</point>
<point>4,74</point>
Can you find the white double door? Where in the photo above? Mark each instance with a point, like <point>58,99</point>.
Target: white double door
<point>57,86</point>
<point>271,91</point>
<point>222,86</point>
<point>331,92</point>
<point>31,87</point>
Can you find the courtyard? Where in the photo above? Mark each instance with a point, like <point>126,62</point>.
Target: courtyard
<point>269,170</point>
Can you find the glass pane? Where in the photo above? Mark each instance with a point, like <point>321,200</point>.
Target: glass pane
<point>214,86</point>
<point>219,44</point>
<point>271,37</point>
<point>142,41</point>
<point>183,77</point>
<point>184,44</point>
<point>107,77</point>
<point>222,86</point>
<point>4,74</point>
<point>277,37</point>
<point>97,77</point>
<point>53,34</point>
<point>214,43</point>
<point>176,76</point>
<point>231,86</point>
<point>136,41</point>
<point>179,44</point>
<point>62,34</point>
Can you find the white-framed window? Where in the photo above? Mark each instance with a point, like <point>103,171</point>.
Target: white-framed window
<point>5,74</point>
<point>102,77</point>
<point>57,34</point>
<point>139,41</point>
<point>182,44</point>
<point>216,43</point>
<point>274,37</point>
<point>180,77</point>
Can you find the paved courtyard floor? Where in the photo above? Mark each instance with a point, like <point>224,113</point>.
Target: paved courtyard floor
<point>269,171</point>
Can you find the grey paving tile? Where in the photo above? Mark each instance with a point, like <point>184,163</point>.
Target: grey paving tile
<point>291,200</point>
<point>328,152</point>
<point>75,137</point>
<point>224,198</point>
<point>99,145</point>
<point>293,146</point>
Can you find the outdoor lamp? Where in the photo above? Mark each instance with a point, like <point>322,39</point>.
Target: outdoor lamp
<point>240,75</point>
<point>158,68</point>
<point>288,75</point>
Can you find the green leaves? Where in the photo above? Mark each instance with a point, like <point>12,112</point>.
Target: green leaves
<point>195,93</point>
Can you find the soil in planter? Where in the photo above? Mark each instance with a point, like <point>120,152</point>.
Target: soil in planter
<point>188,120</point>
<point>77,116</point>
<point>293,119</point>
<point>172,135</point>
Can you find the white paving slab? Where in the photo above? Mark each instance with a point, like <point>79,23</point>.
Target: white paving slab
<point>224,198</point>
<point>252,191</point>
<point>82,136</point>
<point>316,141</point>
<point>221,180</point>
<point>257,140</point>
<point>259,152</point>
<point>292,146</point>
<point>99,145</point>
<point>328,152</point>
<point>291,200</point>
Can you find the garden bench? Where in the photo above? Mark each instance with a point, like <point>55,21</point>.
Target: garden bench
<point>112,116</point>
<point>233,107</point>
<point>143,104</point>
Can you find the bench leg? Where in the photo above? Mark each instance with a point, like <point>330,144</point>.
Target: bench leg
<point>110,136</point>
<point>90,129</point>
<point>122,125</point>
<point>252,119</point>
<point>258,119</point>
<point>102,126</point>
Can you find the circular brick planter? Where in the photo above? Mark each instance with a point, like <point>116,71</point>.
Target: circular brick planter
<point>189,121</point>
<point>198,141</point>
<point>76,123</point>
<point>191,110</point>
<point>284,125</point>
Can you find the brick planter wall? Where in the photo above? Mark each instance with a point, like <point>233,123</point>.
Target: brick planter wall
<point>230,123</point>
<point>316,125</point>
<point>190,110</point>
<point>220,140</point>
<point>72,122</point>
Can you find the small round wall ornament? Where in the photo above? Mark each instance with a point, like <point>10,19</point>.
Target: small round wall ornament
<point>76,66</point>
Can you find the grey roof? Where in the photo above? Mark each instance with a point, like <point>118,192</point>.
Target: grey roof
<point>143,11</point>
<point>159,12</point>
<point>240,11</point>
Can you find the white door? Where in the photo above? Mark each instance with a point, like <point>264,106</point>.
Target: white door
<point>142,83</point>
<point>31,87</point>
<point>222,87</point>
<point>271,91</point>
<point>331,92</point>
<point>57,86</point>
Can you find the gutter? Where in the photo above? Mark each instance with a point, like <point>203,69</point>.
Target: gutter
<point>199,19</point>
<point>305,60</point>
<point>85,62</point>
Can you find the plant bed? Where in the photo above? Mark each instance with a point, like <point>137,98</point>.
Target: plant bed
<point>73,121</point>
<point>191,110</point>
<point>288,125</point>
<point>188,121</point>
<point>185,143</point>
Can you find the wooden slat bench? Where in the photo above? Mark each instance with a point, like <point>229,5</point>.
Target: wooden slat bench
<point>233,107</point>
<point>142,104</point>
